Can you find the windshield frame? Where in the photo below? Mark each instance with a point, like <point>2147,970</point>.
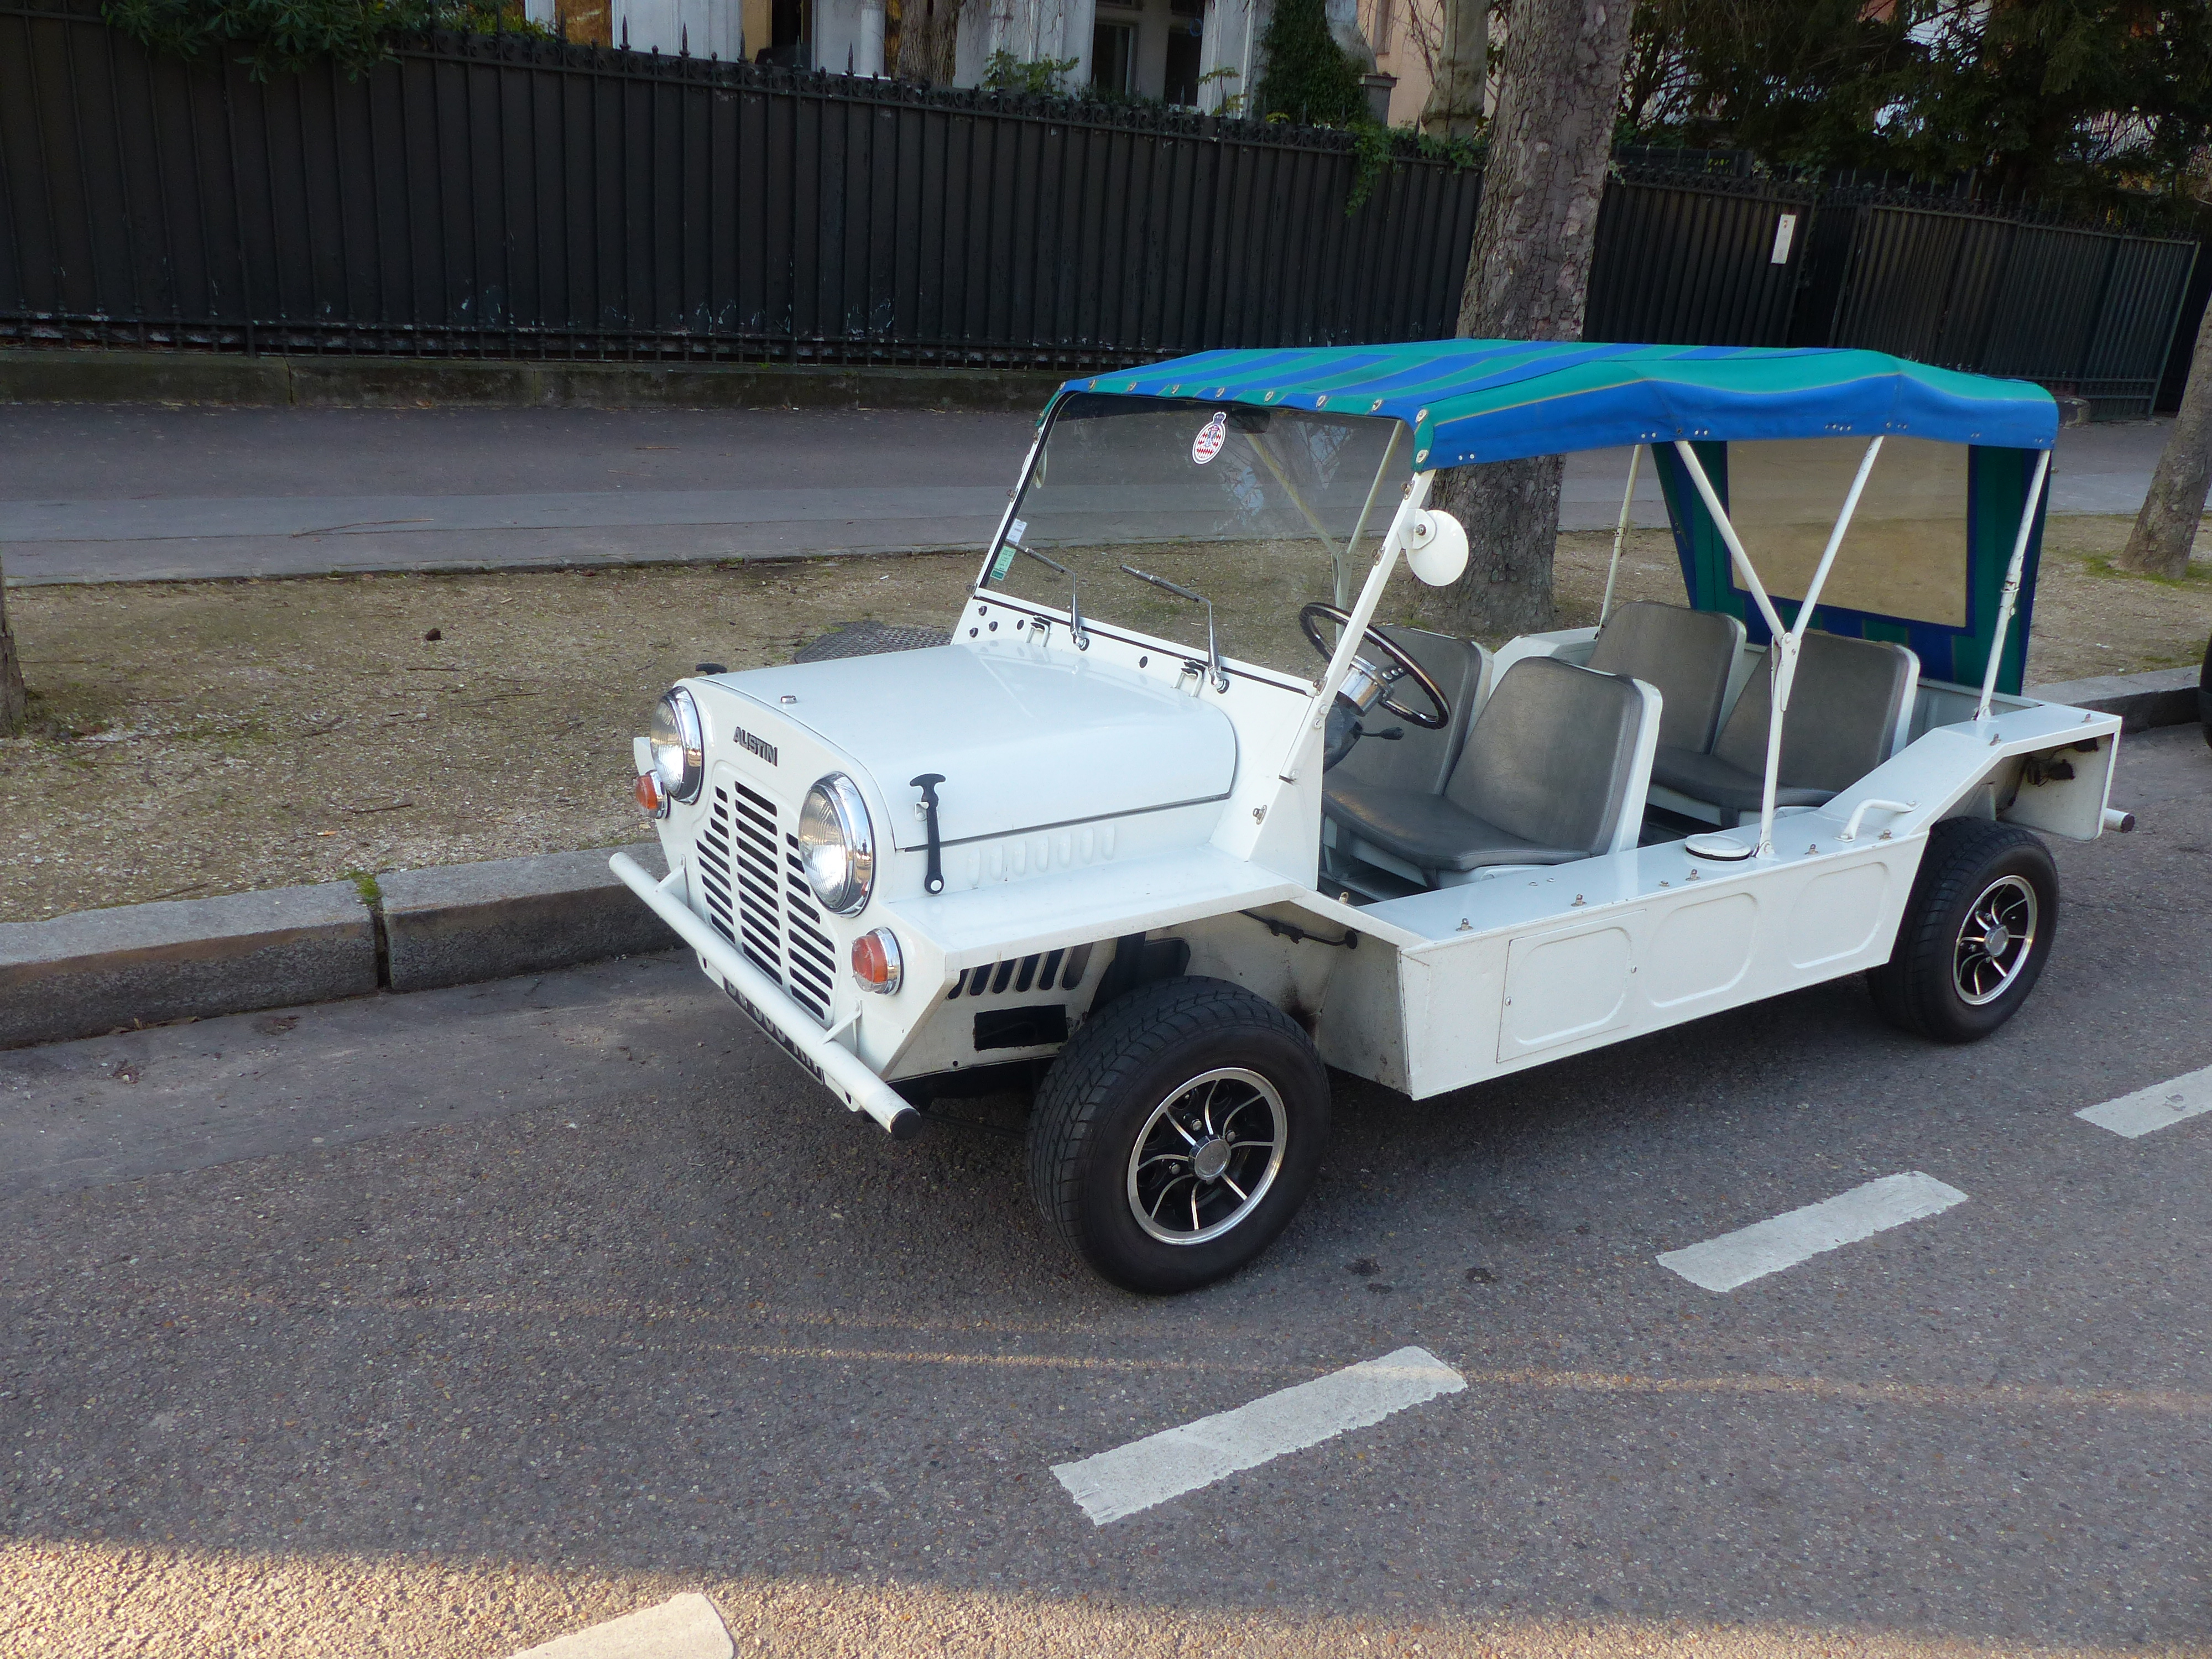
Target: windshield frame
<point>1349,569</point>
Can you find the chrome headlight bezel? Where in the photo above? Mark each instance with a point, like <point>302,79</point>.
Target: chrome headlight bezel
<point>679,746</point>
<point>837,845</point>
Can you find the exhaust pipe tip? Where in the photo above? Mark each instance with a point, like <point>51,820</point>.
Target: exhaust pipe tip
<point>2125,823</point>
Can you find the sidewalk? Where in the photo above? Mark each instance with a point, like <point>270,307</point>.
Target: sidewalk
<point>135,493</point>
<point>129,493</point>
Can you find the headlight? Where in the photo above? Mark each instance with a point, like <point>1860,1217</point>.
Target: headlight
<point>679,751</point>
<point>837,845</point>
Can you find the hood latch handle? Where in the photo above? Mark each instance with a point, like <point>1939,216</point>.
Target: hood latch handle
<point>933,882</point>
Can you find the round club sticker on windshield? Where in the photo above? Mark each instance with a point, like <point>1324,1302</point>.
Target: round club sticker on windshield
<point>1205,447</point>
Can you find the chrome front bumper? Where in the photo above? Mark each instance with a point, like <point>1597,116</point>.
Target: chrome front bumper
<point>836,1067</point>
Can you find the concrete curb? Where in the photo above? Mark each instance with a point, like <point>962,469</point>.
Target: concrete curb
<point>464,923</point>
<point>97,971</point>
<point>64,374</point>
<point>2165,696</point>
<point>141,964</point>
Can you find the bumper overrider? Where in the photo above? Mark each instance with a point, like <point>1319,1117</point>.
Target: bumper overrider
<point>836,1067</point>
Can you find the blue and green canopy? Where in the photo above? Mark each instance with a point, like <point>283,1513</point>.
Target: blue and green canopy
<point>1501,400</point>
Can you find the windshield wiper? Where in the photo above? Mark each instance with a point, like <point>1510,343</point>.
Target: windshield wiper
<point>1075,629</point>
<point>1211,666</point>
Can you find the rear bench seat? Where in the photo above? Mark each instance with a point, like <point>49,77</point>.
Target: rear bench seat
<point>1684,655</point>
<point>1845,708</point>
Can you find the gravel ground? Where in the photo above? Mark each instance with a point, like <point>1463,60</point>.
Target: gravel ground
<point>196,738</point>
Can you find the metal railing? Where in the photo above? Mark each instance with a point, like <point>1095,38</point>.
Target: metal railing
<point>2084,310</point>
<point>508,197</point>
<point>500,196</point>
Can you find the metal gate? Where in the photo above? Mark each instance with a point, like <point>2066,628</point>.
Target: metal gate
<point>2087,311</point>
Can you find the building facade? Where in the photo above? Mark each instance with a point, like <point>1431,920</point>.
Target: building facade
<point>1203,54</point>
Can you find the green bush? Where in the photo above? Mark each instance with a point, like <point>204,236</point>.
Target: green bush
<point>279,37</point>
<point>1309,78</point>
<point>1007,73</point>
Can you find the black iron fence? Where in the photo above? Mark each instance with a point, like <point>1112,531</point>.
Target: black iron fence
<point>1696,259</point>
<point>508,197</point>
<point>2087,311</point>
<point>512,197</point>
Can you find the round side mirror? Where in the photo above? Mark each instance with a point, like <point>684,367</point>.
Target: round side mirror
<point>1436,550</point>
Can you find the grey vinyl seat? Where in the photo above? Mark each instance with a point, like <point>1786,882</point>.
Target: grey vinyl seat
<point>1421,760</point>
<point>1844,707</point>
<point>1684,655</point>
<point>1552,769</point>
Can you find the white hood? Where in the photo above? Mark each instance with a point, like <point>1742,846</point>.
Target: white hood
<point>1027,737</point>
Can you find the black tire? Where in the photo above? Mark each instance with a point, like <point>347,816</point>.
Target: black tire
<point>1972,869</point>
<point>1110,1084</point>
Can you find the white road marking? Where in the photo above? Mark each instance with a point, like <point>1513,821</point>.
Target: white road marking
<point>2174,1101</point>
<point>683,1627</point>
<point>1768,1246</point>
<point>1134,1477</point>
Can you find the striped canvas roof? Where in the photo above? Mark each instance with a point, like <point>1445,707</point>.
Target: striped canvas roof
<point>1498,400</point>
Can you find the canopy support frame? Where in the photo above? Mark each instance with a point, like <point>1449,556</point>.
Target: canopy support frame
<point>2011,594</point>
<point>1785,642</point>
<point>1620,534</point>
<point>1355,626</point>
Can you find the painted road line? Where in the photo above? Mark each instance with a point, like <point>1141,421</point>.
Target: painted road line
<point>1166,1465</point>
<point>1768,1246</point>
<point>683,1627</point>
<point>2174,1101</point>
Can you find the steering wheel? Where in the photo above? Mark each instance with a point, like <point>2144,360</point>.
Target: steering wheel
<point>1400,667</point>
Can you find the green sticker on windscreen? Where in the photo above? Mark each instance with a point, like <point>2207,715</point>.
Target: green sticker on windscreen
<point>1007,551</point>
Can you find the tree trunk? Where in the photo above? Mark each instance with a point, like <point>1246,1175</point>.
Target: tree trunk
<point>12,698</point>
<point>2165,529</point>
<point>1462,61</point>
<point>1528,278</point>
<point>929,39</point>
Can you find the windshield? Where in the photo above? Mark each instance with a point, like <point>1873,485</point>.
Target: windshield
<point>1259,510</point>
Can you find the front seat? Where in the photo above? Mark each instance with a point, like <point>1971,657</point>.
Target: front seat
<point>1554,770</point>
<point>1421,760</point>
<point>1845,708</point>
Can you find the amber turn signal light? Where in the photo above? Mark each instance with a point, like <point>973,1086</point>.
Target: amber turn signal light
<point>650,795</point>
<point>876,960</point>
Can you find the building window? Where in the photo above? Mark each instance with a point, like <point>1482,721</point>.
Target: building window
<point>1184,38</point>
<point>1114,57</point>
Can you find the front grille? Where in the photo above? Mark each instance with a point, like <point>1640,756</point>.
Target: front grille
<point>811,955</point>
<point>758,897</point>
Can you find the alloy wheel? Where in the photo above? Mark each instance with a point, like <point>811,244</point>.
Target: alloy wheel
<point>1206,1156</point>
<point>1995,942</point>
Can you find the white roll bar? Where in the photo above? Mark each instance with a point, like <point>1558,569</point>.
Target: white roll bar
<point>1786,641</point>
<point>1347,644</point>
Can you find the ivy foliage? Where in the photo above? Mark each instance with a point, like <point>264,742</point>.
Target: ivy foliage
<point>1310,79</point>
<point>1377,149</point>
<point>283,37</point>
<point>1041,75</point>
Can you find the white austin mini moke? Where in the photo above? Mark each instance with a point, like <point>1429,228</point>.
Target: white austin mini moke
<point>1187,810</point>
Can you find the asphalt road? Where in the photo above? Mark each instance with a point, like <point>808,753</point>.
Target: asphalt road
<point>441,1324</point>
<point>139,493</point>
